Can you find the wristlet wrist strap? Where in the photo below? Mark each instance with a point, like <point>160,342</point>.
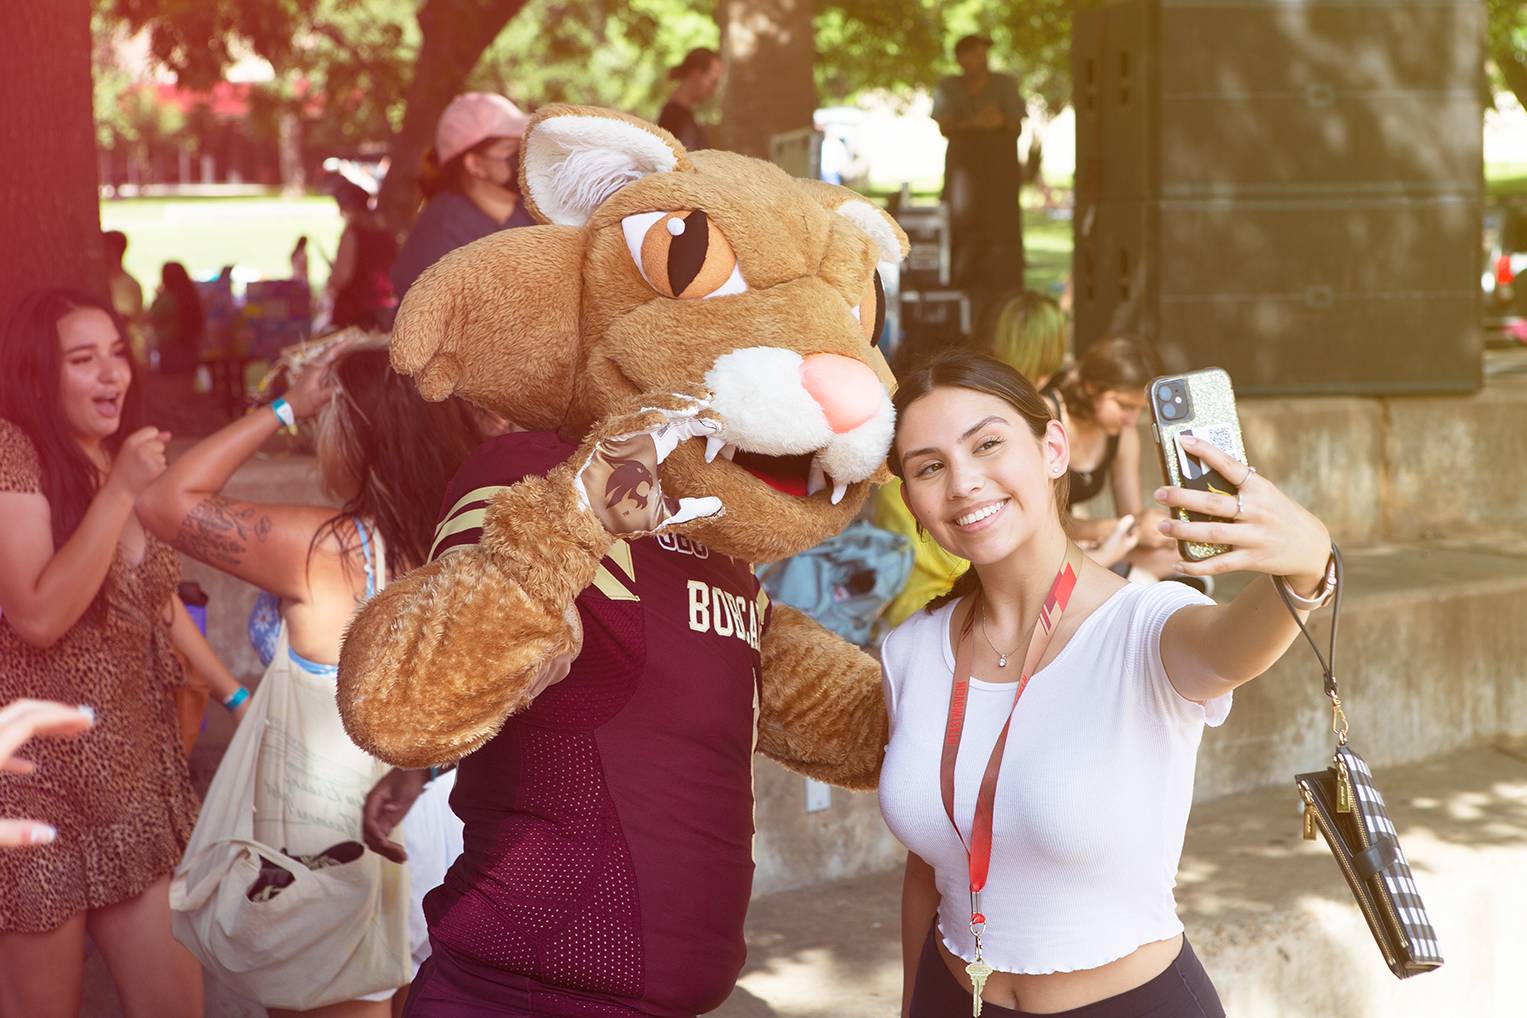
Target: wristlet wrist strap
<point>1327,660</point>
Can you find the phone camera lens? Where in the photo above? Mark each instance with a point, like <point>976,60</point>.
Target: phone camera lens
<point>1168,410</point>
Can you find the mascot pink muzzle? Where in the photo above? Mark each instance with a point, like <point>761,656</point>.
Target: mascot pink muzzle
<point>846,389</point>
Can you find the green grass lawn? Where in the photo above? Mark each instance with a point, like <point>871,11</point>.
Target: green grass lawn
<point>1500,187</point>
<point>1047,246</point>
<point>257,235</point>
<point>205,234</point>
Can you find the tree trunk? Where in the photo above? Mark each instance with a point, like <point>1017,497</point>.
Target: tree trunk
<point>455,34</point>
<point>50,216</point>
<point>1514,69</point>
<point>769,52</point>
<point>289,153</point>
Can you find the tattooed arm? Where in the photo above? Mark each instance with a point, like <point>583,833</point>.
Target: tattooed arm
<point>266,544</point>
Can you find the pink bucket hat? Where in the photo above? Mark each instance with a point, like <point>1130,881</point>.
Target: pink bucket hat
<point>474,117</point>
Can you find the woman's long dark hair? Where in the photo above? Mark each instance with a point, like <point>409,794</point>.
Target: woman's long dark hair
<point>401,449</point>
<point>963,369</point>
<point>31,363</point>
<point>1124,363</point>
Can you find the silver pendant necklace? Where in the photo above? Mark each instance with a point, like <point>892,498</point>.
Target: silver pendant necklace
<point>1001,657</point>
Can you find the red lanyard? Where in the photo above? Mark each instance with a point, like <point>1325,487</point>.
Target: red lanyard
<point>978,848</point>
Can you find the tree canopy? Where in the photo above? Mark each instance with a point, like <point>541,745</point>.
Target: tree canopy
<point>356,55</point>
<point>349,66</point>
<point>1506,39</point>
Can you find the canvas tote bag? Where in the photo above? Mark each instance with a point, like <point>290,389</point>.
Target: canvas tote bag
<point>291,784</point>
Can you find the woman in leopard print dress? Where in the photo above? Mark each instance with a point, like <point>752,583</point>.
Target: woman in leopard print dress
<point>88,616</point>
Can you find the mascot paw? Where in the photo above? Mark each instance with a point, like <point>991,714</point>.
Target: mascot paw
<point>619,480</point>
<point>432,665</point>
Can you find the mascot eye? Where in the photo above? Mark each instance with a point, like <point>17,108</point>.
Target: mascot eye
<point>871,310</point>
<point>683,254</point>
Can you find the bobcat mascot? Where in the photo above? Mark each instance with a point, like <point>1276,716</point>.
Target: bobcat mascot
<point>689,345</point>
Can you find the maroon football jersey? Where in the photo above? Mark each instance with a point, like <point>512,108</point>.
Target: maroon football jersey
<point>609,827</point>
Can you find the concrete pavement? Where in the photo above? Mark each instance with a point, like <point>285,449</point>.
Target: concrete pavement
<point>1267,912</point>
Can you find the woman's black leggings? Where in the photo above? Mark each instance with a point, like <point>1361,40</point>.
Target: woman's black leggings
<point>1182,991</point>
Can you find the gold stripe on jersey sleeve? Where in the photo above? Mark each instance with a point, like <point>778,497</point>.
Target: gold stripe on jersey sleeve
<point>620,554</point>
<point>606,583</point>
<point>475,495</point>
<point>451,527</point>
<point>762,603</point>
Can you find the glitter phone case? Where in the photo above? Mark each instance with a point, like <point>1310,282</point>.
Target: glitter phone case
<point>1201,404</point>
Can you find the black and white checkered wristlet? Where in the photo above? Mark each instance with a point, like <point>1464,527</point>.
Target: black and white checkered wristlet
<point>1345,806</point>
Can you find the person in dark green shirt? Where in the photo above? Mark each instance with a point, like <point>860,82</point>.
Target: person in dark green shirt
<point>981,113</point>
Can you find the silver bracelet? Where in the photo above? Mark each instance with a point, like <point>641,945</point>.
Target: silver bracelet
<point>1322,595</point>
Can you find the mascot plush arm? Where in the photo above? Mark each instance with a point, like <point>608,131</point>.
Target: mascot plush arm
<point>823,714</point>
<point>434,664</point>
<point>430,668</point>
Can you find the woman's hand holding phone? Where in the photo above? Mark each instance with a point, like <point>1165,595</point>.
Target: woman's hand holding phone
<point>1266,531</point>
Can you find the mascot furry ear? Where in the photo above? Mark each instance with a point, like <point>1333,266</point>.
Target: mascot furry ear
<point>519,290</point>
<point>656,272</point>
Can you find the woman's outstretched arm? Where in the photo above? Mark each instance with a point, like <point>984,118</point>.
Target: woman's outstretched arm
<point>1209,650</point>
<point>200,656</point>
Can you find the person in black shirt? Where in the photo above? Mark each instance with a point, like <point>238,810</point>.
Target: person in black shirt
<point>698,74</point>
<point>1099,400</point>
<point>358,290</point>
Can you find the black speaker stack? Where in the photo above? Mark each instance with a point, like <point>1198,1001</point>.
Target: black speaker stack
<point>1288,189</point>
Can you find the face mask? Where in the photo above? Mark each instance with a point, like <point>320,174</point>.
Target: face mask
<point>512,164</point>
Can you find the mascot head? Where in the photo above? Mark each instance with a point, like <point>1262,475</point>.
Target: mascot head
<point>665,271</point>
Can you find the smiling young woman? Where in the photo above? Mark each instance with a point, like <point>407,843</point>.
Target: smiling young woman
<point>1041,860</point>
<point>89,613</point>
